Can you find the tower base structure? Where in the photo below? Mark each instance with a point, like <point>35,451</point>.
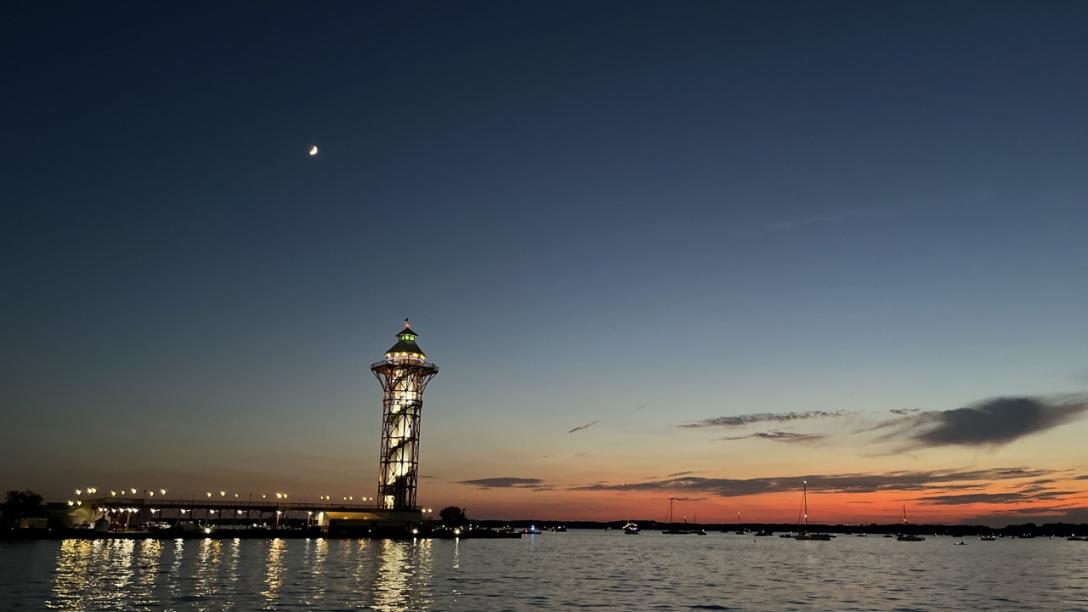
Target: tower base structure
<point>370,522</point>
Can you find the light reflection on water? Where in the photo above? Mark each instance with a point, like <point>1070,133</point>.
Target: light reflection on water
<point>177,555</point>
<point>207,582</point>
<point>146,571</point>
<point>273,579</point>
<point>553,571</point>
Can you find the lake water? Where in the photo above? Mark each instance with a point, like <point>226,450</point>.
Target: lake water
<point>602,569</point>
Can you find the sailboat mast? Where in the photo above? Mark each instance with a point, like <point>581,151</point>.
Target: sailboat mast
<point>804,499</point>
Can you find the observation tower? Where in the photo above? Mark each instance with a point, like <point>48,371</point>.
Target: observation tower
<point>403,374</point>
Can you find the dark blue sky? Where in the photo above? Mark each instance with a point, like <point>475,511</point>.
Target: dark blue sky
<point>699,208</point>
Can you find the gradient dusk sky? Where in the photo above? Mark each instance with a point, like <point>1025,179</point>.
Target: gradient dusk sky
<point>705,250</point>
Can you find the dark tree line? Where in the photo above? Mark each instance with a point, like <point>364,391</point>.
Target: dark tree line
<point>20,505</point>
<point>453,516</point>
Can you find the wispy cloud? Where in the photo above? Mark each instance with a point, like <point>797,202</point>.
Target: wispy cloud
<point>990,422</point>
<point>684,473</point>
<point>837,483</point>
<point>1012,497</point>
<point>765,417</point>
<point>505,482</point>
<point>1051,514</point>
<point>904,411</point>
<point>581,427</point>
<point>780,436</point>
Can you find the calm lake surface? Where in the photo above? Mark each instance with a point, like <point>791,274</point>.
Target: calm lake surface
<point>601,569</point>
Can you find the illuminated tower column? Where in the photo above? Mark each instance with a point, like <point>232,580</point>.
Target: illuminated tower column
<point>403,374</point>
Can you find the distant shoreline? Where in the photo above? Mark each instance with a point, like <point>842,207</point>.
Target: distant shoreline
<point>490,529</point>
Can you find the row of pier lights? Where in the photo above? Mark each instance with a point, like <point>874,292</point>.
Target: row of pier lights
<point>150,493</point>
<point>133,492</point>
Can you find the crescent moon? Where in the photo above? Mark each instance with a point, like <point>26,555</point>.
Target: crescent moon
<point>313,150</point>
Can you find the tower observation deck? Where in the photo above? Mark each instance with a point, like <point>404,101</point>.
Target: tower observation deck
<point>403,374</point>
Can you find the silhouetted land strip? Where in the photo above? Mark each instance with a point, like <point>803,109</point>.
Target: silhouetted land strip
<point>1030,529</point>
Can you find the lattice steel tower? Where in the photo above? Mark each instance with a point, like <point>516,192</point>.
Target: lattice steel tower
<point>403,374</point>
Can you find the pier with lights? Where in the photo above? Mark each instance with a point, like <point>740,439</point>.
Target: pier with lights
<point>226,513</point>
<point>403,374</point>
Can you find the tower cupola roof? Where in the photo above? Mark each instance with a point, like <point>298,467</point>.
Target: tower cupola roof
<point>406,342</point>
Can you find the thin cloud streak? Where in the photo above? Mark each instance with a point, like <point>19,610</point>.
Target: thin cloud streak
<point>504,482</point>
<point>1014,497</point>
<point>834,483</point>
<point>764,417</point>
<point>684,473</point>
<point>780,436</point>
<point>582,427</point>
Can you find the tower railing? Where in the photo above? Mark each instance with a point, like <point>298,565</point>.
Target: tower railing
<point>414,364</point>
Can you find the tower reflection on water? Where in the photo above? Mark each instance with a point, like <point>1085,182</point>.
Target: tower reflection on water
<point>244,574</point>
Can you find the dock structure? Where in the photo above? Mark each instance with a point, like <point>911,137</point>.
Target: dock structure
<point>119,513</point>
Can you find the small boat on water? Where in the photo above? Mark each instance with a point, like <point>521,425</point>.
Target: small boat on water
<point>559,529</point>
<point>987,537</point>
<point>908,537</point>
<point>764,533</point>
<point>531,530</point>
<point>630,528</point>
<point>802,523</point>
<point>683,529</point>
<point>960,543</point>
<point>822,537</point>
<point>1076,539</point>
